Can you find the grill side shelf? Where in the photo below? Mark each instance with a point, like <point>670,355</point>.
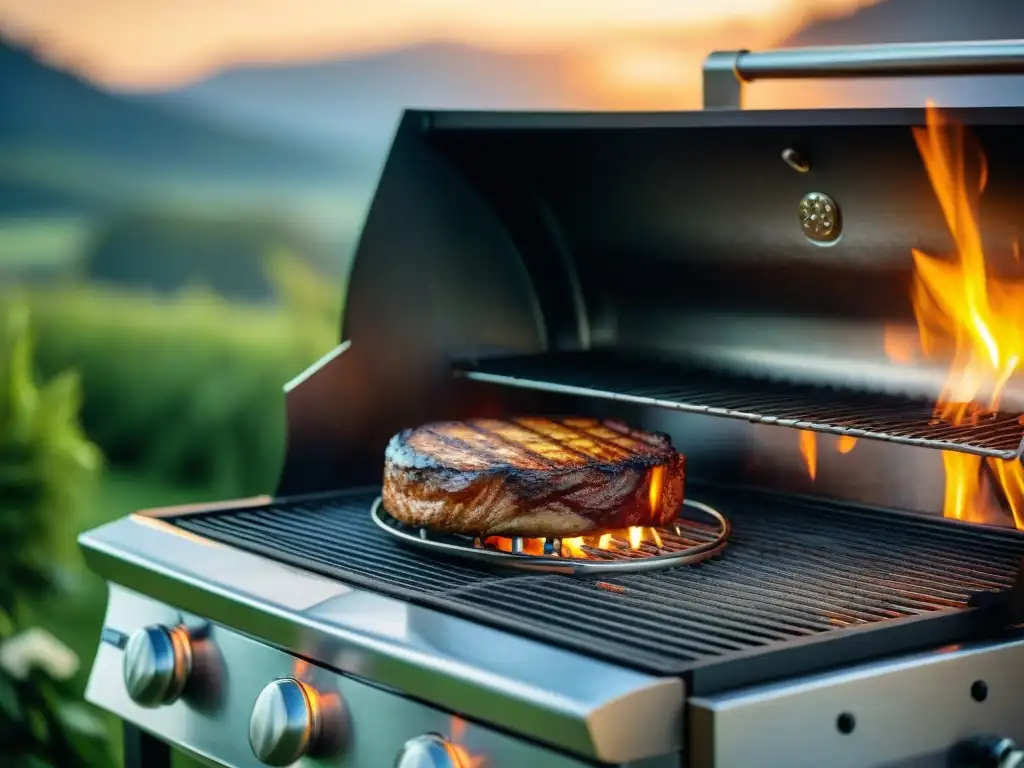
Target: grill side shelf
<point>686,388</point>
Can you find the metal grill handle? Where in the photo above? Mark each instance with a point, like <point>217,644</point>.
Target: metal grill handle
<point>726,72</point>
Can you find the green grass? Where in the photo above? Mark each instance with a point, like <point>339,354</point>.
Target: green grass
<point>77,617</point>
<point>42,242</point>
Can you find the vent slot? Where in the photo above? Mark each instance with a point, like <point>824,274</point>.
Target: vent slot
<point>683,387</point>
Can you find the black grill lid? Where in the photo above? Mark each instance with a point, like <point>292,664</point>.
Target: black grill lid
<point>497,234</point>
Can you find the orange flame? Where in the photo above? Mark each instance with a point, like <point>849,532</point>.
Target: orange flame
<point>458,753</point>
<point>633,537</point>
<point>846,444</point>
<point>967,316</point>
<point>809,451</point>
<point>957,304</point>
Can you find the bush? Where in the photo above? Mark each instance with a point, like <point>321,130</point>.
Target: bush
<point>46,466</point>
<point>187,386</point>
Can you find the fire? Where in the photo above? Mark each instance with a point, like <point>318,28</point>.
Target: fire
<point>968,316</point>
<point>959,307</point>
<point>632,538</point>
<point>457,753</point>
<point>809,450</point>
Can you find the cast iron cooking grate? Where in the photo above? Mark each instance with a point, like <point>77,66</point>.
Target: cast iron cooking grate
<point>684,388</point>
<point>803,584</point>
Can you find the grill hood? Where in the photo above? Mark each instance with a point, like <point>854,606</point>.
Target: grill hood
<point>668,236</point>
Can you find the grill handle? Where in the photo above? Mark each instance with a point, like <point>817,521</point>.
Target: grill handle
<point>726,72</point>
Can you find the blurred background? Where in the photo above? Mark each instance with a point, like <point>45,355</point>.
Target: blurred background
<point>182,184</point>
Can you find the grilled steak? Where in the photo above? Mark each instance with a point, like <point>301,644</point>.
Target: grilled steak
<point>535,477</point>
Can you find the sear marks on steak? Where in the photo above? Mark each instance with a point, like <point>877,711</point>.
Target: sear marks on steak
<point>532,476</point>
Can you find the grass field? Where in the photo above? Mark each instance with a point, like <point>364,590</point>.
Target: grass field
<point>42,242</point>
<point>76,618</point>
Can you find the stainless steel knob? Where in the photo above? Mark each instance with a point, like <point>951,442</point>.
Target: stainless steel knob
<point>285,722</point>
<point>987,752</point>
<point>157,664</point>
<point>428,751</point>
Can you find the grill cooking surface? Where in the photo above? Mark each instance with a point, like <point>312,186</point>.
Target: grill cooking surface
<point>821,409</point>
<point>803,584</point>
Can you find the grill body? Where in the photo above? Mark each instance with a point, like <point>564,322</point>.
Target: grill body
<point>655,268</point>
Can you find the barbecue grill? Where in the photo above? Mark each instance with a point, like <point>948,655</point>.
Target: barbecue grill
<point>727,277</point>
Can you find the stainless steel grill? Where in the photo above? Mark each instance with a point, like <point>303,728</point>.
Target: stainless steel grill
<point>685,388</point>
<point>770,255</point>
<point>803,584</point>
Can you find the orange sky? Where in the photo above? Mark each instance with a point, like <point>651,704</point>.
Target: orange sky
<point>622,44</point>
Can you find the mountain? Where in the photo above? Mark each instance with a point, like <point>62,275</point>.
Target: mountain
<point>913,21</point>
<point>65,144</point>
<point>352,106</point>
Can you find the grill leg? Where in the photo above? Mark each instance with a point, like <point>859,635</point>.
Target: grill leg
<point>144,751</point>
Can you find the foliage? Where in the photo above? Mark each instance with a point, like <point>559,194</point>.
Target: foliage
<point>309,299</point>
<point>46,466</point>
<point>225,255</point>
<point>188,386</point>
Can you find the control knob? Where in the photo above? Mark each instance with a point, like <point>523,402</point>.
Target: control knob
<point>157,664</point>
<point>428,751</point>
<point>987,752</point>
<point>287,723</point>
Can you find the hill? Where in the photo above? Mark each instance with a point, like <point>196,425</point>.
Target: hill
<point>66,145</point>
<point>351,106</point>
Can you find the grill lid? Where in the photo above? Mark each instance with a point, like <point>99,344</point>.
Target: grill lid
<point>522,234</point>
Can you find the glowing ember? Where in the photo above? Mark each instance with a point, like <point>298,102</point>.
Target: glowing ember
<point>969,317</point>
<point>809,450</point>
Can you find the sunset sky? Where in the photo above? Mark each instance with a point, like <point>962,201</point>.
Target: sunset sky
<point>153,44</point>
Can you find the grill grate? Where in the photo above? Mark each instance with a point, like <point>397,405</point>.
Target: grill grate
<point>803,584</point>
<point>820,409</point>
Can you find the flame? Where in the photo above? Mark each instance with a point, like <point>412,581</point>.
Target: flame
<point>457,753</point>
<point>654,491</point>
<point>963,485</point>
<point>969,317</point>
<point>902,345</point>
<point>846,443</point>
<point>1010,477</point>
<point>957,304</point>
<point>632,538</point>
<point>809,450</point>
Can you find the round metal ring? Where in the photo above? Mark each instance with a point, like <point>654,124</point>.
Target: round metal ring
<point>463,547</point>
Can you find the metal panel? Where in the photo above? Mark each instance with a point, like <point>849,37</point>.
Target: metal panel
<point>909,711</point>
<point>213,720</point>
